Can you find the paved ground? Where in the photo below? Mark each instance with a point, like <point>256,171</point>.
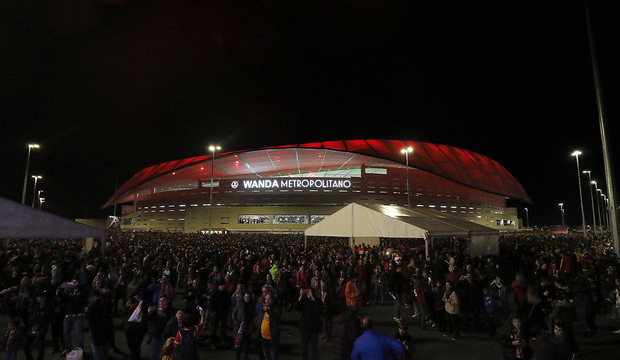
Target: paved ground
<point>430,344</point>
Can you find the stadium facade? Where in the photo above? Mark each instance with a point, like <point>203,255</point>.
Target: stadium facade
<point>290,188</point>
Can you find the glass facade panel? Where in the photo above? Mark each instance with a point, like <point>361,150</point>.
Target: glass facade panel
<point>254,219</point>
<point>290,219</point>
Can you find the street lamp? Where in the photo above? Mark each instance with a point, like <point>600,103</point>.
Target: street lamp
<point>406,152</point>
<point>30,146</point>
<point>36,177</point>
<point>212,149</point>
<point>591,198</point>
<point>583,214</point>
<point>598,204</point>
<point>562,210</point>
<point>39,197</point>
<point>527,217</point>
<point>41,201</point>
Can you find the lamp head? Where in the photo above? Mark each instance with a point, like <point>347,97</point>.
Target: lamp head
<point>576,153</point>
<point>407,150</point>
<point>213,148</point>
<point>36,146</point>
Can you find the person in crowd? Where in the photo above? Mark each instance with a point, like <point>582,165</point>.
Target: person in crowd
<point>419,302</point>
<point>373,345</point>
<point>56,322</point>
<point>310,324</point>
<point>39,323</point>
<point>13,339</point>
<point>243,325</point>
<point>96,314</point>
<point>563,311</point>
<point>531,312</point>
<point>515,340</point>
<point>186,339</point>
<point>557,346</point>
<point>137,324</point>
<point>159,316</point>
<point>379,280</point>
<point>218,307</point>
<point>330,308</point>
<point>489,312</point>
<point>616,299</point>
<point>346,330</point>
<point>75,298</point>
<point>269,328</point>
<point>19,299</point>
<point>353,293</point>
<point>396,291</point>
<point>452,305</point>
<point>404,337</point>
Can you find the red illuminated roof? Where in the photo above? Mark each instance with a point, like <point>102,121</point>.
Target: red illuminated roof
<point>458,165</point>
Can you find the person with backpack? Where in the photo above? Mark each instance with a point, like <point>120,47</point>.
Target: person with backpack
<point>186,340</point>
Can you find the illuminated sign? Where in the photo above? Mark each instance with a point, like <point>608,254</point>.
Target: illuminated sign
<point>307,183</point>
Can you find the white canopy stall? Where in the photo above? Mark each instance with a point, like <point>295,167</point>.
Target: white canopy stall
<point>369,223</point>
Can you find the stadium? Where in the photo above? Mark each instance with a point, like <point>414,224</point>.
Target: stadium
<point>289,188</point>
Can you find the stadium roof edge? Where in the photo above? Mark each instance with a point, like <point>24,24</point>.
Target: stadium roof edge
<point>455,164</point>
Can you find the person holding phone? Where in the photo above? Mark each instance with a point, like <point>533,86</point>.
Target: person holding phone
<point>74,296</point>
<point>310,323</point>
<point>515,340</point>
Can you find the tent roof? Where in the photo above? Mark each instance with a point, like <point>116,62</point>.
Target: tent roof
<point>394,222</point>
<point>19,221</point>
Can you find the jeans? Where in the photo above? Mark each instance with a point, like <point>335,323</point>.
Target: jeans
<point>309,342</point>
<point>100,352</point>
<point>453,325</point>
<point>10,355</point>
<point>396,311</point>
<point>73,322</point>
<point>35,341</point>
<point>379,291</point>
<point>270,349</point>
<point>156,348</point>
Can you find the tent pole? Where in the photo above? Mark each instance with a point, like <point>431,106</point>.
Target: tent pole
<point>305,242</point>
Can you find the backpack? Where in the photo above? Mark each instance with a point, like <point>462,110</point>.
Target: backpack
<point>188,348</point>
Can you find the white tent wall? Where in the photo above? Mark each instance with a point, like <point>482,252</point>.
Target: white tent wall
<point>361,222</point>
<point>484,244</point>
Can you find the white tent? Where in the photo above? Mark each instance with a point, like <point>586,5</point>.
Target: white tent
<point>19,221</point>
<point>369,223</point>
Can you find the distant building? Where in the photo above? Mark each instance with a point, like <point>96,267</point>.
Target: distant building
<point>289,188</point>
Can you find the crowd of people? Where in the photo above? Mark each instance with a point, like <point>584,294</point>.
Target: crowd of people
<point>234,288</point>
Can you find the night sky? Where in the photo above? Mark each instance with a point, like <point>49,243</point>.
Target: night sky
<point>109,88</point>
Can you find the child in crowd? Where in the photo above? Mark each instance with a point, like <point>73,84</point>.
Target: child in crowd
<point>13,339</point>
<point>406,339</point>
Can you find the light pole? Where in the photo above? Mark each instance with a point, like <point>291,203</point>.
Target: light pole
<point>583,214</point>
<point>30,146</point>
<point>562,211</point>
<point>39,197</point>
<point>527,217</point>
<point>591,198</point>
<point>406,152</point>
<point>212,148</point>
<point>41,201</point>
<point>598,204</point>
<point>34,192</point>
